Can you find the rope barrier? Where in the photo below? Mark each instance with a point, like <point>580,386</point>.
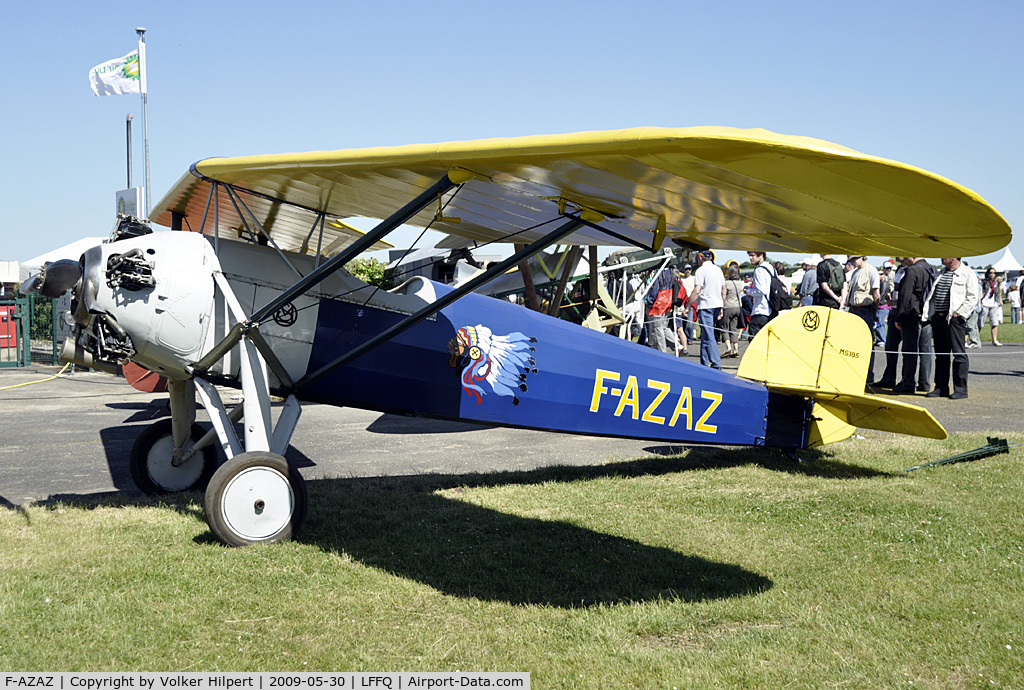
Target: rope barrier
<point>742,336</point>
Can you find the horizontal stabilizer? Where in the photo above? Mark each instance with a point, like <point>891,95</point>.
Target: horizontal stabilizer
<point>867,412</point>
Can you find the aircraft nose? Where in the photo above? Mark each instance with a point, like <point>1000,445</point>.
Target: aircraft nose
<point>54,278</point>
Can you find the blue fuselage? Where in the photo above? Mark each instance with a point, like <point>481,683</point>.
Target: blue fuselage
<point>485,360</point>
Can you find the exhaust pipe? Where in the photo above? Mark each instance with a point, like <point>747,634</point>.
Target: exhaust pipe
<point>71,351</point>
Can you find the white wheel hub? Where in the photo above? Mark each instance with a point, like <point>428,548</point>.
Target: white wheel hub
<point>258,503</point>
<point>167,476</point>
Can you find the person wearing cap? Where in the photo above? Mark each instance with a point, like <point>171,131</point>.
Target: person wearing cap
<point>887,278</point>
<point>887,283</point>
<point>708,297</point>
<point>863,296</point>
<point>809,283</point>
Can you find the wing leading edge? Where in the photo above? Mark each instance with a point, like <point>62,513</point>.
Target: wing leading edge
<point>707,186</point>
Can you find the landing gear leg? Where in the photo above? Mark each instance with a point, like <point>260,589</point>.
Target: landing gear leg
<point>255,497</point>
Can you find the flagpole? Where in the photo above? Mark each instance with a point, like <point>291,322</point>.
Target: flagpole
<point>128,126</point>
<point>141,31</point>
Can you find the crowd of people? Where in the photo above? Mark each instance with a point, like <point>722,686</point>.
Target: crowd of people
<point>927,315</point>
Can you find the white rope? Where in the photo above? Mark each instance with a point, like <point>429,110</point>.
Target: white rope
<point>970,352</point>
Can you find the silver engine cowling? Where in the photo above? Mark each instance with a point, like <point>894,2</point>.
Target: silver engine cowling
<point>147,298</point>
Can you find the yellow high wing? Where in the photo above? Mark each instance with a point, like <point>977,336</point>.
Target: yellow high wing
<point>701,186</point>
<point>823,354</point>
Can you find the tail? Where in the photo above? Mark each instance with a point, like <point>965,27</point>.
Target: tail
<point>823,354</point>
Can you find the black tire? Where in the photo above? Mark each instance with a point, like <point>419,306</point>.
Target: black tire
<point>150,461</point>
<point>255,498</point>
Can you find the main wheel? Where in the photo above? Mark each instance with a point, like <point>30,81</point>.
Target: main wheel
<point>150,461</point>
<point>255,498</point>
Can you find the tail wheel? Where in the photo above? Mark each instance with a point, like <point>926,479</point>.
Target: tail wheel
<point>255,498</point>
<point>150,461</point>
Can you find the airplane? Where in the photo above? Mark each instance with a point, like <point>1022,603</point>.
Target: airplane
<point>248,290</point>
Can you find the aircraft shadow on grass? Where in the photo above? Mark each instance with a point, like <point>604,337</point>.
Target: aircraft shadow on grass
<point>417,528</point>
<point>404,527</point>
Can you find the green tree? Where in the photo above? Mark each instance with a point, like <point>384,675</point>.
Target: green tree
<point>372,271</point>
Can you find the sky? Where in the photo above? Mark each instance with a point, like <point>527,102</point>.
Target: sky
<point>934,84</point>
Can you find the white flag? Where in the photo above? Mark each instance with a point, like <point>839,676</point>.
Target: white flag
<point>117,77</point>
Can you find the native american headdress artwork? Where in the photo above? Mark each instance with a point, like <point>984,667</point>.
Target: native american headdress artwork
<point>501,361</point>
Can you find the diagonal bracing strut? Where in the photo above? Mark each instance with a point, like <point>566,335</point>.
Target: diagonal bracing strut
<point>567,228</point>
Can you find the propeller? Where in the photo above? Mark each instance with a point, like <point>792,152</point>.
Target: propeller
<point>54,278</point>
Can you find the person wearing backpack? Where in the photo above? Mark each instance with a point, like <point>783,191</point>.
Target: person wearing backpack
<point>759,291</point>
<point>831,278</point>
<point>659,304</point>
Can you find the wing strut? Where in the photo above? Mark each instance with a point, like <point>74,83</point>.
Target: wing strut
<point>562,231</point>
<point>262,236</point>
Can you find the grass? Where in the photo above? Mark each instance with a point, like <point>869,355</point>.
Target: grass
<point>1008,332</point>
<point>714,568</point>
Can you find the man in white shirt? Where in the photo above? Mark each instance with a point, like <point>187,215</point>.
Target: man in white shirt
<point>709,298</point>
<point>863,295</point>
<point>759,289</point>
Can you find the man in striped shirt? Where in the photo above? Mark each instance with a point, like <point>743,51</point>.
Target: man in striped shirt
<point>951,300</point>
